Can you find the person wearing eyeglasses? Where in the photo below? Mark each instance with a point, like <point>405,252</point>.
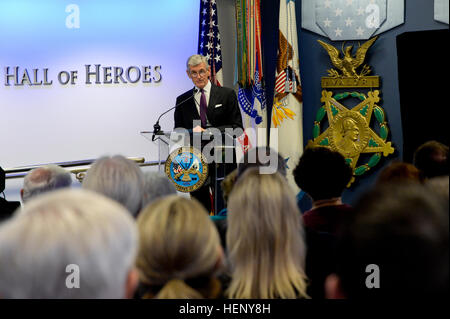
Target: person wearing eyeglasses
<point>211,106</point>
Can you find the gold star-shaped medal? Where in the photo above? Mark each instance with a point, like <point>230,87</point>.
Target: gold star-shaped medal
<point>349,130</point>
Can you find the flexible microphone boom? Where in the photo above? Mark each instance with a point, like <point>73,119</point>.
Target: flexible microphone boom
<point>157,127</point>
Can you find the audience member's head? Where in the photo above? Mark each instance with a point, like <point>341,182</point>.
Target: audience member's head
<point>400,172</point>
<point>396,246</point>
<point>432,159</point>
<point>156,185</point>
<point>265,239</point>
<point>322,173</point>
<point>68,244</point>
<point>266,159</point>
<point>439,185</point>
<point>228,183</point>
<point>118,178</point>
<point>44,179</point>
<point>179,252</point>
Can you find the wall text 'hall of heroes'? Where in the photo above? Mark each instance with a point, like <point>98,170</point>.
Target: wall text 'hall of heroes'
<point>94,74</point>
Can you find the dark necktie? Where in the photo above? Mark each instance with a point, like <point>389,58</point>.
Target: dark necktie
<point>203,108</point>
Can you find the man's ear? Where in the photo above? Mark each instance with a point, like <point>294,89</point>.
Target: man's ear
<point>21,194</point>
<point>188,74</point>
<point>333,288</point>
<point>131,283</point>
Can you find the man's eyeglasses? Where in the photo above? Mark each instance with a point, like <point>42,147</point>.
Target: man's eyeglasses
<point>200,73</point>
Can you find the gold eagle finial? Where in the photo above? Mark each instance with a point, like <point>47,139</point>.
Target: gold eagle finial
<point>348,64</point>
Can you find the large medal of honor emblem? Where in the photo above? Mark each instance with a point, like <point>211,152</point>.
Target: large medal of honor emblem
<point>186,167</point>
<point>349,131</point>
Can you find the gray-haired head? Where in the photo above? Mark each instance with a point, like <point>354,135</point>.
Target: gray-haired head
<point>68,244</point>
<point>196,59</point>
<point>44,179</point>
<point>156,185</point>
<point>118,178</point>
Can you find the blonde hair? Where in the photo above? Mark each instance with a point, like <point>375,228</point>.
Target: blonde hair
<point>265,239</point>
<point>178,241</point>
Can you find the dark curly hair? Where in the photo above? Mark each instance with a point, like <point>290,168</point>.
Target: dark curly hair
<point>322,173</point>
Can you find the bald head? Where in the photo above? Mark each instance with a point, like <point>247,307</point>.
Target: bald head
<point>44,179</point>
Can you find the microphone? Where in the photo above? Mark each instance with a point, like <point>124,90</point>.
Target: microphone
<point>157,127</point>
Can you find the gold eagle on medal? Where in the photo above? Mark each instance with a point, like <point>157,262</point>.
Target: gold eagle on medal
<point>348,64</point>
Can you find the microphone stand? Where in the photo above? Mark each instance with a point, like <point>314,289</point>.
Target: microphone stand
<point>157,127</point>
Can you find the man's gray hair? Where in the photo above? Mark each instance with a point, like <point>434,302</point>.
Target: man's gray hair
<point>44,179</point>
<point>196,59</point>
<point>56,232</point>
<point>156,185</point>
<point>118,178</point>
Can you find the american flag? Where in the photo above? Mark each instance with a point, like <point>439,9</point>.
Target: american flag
<point>209,39</point>
<point>284,84</point>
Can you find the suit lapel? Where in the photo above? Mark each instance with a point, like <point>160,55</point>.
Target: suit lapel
<point>213,98</point>
<point>193,108</point>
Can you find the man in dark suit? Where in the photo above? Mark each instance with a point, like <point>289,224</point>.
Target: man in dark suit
<point>212,105</point>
